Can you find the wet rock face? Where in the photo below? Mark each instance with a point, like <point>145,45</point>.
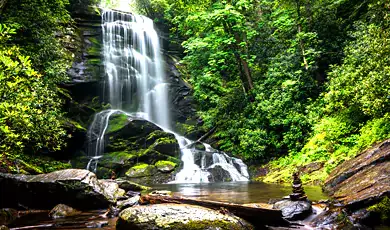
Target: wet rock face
<point>218,174</point>
<point>364,180</point>
<point>177,217</point>
<point>294,210</point>
<point>74,187</point>
<point>139,151</point>
<point>86,42</point>
<point>332,219</point>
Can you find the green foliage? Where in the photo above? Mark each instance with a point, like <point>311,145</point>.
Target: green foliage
<point>30,113</point>
<point>382,208</point>
<point>316,86</point>
<point>363,80</point>
<point>33,61</point>
<point>42,25</point>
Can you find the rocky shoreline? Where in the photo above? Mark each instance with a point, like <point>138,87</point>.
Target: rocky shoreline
<point>359,189</point>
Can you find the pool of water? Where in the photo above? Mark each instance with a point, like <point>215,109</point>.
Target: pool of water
<point>238,192</point>
<point>232,192</point>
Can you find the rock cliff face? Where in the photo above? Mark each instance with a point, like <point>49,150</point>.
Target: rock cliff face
<point>135,149</point>
<point>363,180</point>
<point>362,186</point>
<point>87,91</point>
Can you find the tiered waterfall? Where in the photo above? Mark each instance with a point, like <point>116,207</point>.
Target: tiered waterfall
<point>135,85</point>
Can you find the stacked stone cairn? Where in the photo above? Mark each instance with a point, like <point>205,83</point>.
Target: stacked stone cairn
<point>298,193</point>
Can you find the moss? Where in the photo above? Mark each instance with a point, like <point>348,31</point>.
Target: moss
<point>174,160</point>
<point>165,163</point>
<point>206,224</point>
<point>117,122</point>
<point>30,164</point>
<point>94,51</point>
<point>122,155</point>
<point>94,61</point>
<point>141,170</point>
<point>77,125</point>
<point>382,208</point>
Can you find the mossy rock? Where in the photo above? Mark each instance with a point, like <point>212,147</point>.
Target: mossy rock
<point>177,217</point>
<point>165,166</point>
<point>130,186</point>
<point>141,170</point>
<point>117,122</point>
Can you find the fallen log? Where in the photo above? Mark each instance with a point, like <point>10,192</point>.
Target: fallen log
<point>255,215</point>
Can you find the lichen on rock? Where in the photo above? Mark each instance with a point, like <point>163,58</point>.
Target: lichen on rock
<point>177,217</point>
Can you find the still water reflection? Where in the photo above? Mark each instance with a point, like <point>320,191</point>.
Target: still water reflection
<point>238,192</point>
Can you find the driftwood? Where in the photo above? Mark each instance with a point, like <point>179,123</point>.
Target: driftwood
<point>207,134</point>
<point>254,215</point>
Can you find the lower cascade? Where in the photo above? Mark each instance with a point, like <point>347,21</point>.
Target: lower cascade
<point>136,86</point>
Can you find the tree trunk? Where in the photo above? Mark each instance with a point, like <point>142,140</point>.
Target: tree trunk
<point>259,217</point>
<point>301,42</point>
<point>245,73</point>
<point>2,4</point>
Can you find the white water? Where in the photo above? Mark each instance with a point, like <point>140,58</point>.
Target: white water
<point>136,84</point>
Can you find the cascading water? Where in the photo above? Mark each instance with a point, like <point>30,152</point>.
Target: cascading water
<point>135,82</point>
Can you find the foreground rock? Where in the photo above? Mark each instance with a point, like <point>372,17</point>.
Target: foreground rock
<point>177,217</point>
<point>75,187</point>
<point>62,210</point>
<point>294,210</point>
<point>364,180</point>
<point>362,186</point>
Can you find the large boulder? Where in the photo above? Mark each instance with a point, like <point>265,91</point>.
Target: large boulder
<point>138,150</point>
<point>363,180</point>
<point>177,217</point>
<point>294,210</point>
<point>77,188</point>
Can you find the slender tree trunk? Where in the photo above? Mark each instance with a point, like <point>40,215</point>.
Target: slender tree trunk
<point>245,73</point>
<point>301,42</point>
<point>2,4</point>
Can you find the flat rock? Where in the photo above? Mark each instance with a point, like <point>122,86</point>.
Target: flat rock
<point>177,216</point>
<point>74,187</point>
<point>363,180</point>
<point>294,210</point>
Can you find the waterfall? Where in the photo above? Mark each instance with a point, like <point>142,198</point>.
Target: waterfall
<point>135,85</point>
<point>135,75</point>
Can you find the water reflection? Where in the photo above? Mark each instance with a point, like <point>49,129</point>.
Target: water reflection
<point>238,192</point>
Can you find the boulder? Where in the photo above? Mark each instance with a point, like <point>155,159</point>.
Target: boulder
<point>133,143</point>
<point>165,166</point>
<point>334,218</point>
<point>218,174</point>
<point>148,174</point>
<point>294,210</point>
<point>177,217</point>
<point>130,186</point>
<point>123,204</point>
<point>2,227</point>
<point>62,210</point>
<point>75,187</point>
<point>363,180</point>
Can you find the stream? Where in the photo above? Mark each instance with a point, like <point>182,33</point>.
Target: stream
<point>233,192</point>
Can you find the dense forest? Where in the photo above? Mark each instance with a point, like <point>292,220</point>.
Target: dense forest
<point>293,82</point>
<point>282,82</point>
